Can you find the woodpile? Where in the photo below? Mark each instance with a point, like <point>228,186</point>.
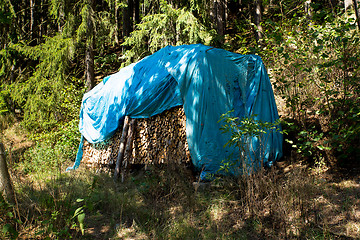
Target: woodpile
<point>156,140</point>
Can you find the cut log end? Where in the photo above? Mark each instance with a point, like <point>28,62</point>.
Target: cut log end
<point>160,139</point>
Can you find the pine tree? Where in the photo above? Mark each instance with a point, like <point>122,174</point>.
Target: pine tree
<point>49,66</point>
<point>41,94</point>
<point>169,27</point>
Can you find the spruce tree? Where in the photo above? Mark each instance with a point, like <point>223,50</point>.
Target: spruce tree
<point>168,27</point>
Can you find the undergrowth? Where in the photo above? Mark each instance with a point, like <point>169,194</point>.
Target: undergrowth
<point>161,203</point>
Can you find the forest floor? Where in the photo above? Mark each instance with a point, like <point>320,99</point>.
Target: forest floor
<point>335,214</point>
<point>289,201</point>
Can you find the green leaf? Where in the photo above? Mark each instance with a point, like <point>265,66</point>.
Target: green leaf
<point>81,218</point>
<point>78,211</point>
<point>9,229</point>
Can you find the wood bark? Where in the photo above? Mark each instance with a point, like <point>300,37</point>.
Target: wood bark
<point>347,4</point>
<point>308,9</point>
<point>5,180</point>
<point>127,18</point>
<point>61,20</point>
<point>257,20</point>
<point>136,11</point>
<point>32,23</point>
<point>117,23</point>
<point>128,149</point>
<point>220,18</point>
<point>89,52</point>
<point>120,156</point>
<point>43,19</point>
<point>355,2</point>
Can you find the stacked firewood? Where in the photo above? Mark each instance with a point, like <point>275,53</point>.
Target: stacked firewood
<point>156,140</point>
<point>98,155</point>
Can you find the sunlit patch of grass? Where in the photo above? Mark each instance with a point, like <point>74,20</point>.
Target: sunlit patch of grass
<point>133,232</point>
<point>217,211</point>
<point>353,229</point>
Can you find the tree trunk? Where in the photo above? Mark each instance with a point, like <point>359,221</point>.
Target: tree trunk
<point>347,4</point>
<point>89,52</point>
<point>136,11</point>
<point>5,181</point>
<point>308,9</point>
<point>257,20</point>
<point>42,25</point>
<point>61,20</point>
<point>117,23</point>
<point>355,2</point>
<point>220,18</point>
<point>32,23</point>
<point>127,18</point>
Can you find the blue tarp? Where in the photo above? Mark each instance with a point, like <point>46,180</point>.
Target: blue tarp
<point>206,81</point>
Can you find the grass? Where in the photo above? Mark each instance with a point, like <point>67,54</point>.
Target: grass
<point>293,201</point>
<point>161,203</point>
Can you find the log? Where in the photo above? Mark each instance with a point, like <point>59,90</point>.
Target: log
<point>128,149</point>
<point>5,181</point>
<point>120,155</point>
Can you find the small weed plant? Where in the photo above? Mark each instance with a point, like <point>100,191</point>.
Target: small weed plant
<point>242,134</point>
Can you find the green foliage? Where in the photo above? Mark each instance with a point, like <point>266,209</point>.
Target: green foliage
<point>106,29</point>
<point>4,95</point>
<point>79,214</point>
<point>309,143</point>
<point>55,198</point>
<point>53,150</point>
<point>7,15</point>
<point>316,72</point>
<point>8,221</point>
<point>7,60</point>
<point>6,10</point>
<point>41,96</point>
<point>87,15</point>
<point>48,90</point>
<point>242,131</point>
<point>169,27</point>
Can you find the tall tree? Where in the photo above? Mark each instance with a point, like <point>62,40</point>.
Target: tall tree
<point>128,18</point>
<point>32,20</point>
<point>136,11</point>
<point>308,9</point>
<point>117,22</point>
<point>257,19</point>
<point>168,27</point>
<point>90,41</point>
<point>356,7</point>
<point>220,18</point>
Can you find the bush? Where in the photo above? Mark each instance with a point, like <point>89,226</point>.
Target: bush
<point>316,71</point>
<point>52,150</point>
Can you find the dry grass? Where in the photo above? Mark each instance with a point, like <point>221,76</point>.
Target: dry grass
<point>287,202</point>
